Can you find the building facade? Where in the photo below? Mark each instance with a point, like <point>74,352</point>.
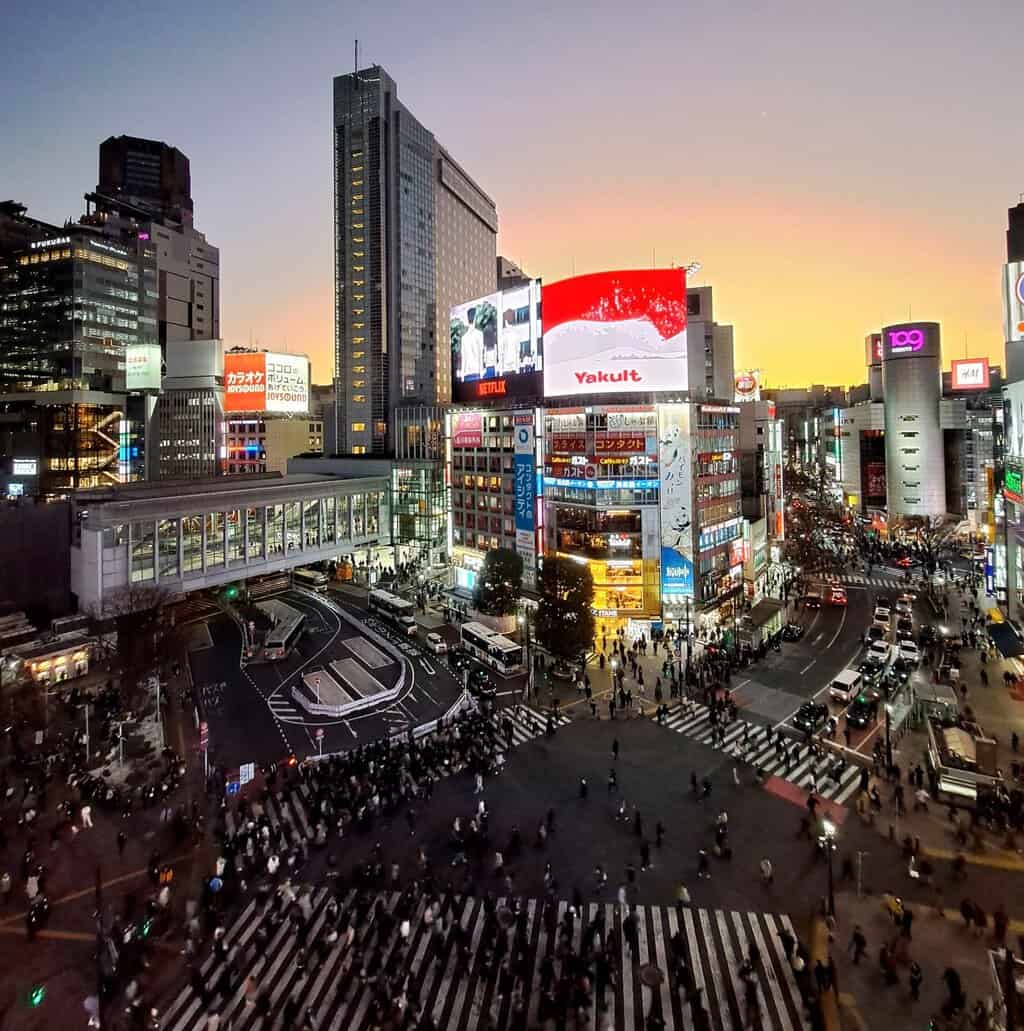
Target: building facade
<point>183,536</point>
<point>190,411</point>
<point>262,442</point>
<point>408,222</point>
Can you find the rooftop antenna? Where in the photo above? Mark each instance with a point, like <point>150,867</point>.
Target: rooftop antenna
<point>356,55</point>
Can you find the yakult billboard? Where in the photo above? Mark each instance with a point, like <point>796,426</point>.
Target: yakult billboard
<point>266,382</point>
<point>615,332</point>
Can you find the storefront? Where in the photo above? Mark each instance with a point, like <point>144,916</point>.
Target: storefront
<point>54,663</point>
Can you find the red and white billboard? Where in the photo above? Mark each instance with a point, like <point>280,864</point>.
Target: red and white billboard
<point>615,332</point>
<point>970,374</point>
<point>748,385</point>
<point>265,382</point>
<point>468,429</point>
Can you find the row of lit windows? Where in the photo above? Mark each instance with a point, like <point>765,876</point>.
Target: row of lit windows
<point>44,256</point>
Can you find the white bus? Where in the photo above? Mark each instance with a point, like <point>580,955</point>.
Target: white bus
<point>310,578</point>
<point>283,637</point>
<point>396,609</point>
<point>493,650</point>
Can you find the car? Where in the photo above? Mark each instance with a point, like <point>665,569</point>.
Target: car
<point>880,650</point>
<point>904,606</point>
<point>876,632</point>
<point>909,652</point>
<point>436,643</point>
<point>458,660</point>
<point>863,711</point>
<point>810,716</point>
<point>812,600</point>
<point>904,562</point>
<point>792,632</point>
<point>928,633</point>
<point>882,615</point>
<point>837,596</point>
<point>480,686</point>
<point>871,669</point>
<point>904,625</point>
<point>845,686</point>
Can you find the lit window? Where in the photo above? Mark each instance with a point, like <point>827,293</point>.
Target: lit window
<point>359,427</point>
<point>359,449</point>
<point>359,398</point>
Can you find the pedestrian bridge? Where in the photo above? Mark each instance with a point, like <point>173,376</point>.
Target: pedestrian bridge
<point>180,536</point>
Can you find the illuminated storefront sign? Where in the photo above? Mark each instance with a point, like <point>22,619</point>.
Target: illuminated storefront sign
<point>675,460</point>
<point>467,429</point>
<point>1013,487</point>
<point>621,443</point>
<point>970,374</point>
<point>568,443</point>
<point>25,467</point>
<point>905,341</point>
<point>525,472</point>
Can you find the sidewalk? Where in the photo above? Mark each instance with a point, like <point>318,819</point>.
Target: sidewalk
<point>864,998</point>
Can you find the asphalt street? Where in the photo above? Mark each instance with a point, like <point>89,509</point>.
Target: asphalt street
<point>254,717</point>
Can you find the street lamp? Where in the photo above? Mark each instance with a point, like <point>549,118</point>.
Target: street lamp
<point>888,737</point>
<point>828,833</point>
<point>524,624</point>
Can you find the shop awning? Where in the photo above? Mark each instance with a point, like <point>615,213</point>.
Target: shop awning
<point>764,611</point>
<point>1006,640</point>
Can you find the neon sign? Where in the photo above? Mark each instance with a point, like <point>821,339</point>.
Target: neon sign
<point>905,341</point>
<point>491,388</point>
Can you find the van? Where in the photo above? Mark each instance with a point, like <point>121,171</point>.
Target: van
<point>845,686</point>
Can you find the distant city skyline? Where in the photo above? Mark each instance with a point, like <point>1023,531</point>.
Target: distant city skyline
<point>832,172</point>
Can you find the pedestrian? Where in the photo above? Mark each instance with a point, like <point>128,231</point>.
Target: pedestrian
<point>767,874</point>
<point>858,944</point>
<point>659,833</point>
<point>735,774</point>
<point>702,865</point>
<point>86,816</point>
<point>583,788</point>
<point>613,781</point>
<point>479,784</point>
<point>645,855</point>
<point>916,977</point>
<point>615,749</point>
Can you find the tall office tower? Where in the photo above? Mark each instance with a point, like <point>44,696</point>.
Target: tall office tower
<point>144,191</point>
<point>147,174</point>
<point>413,235</point>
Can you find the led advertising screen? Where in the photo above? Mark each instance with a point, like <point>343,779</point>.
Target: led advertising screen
<point>142,367</point>
<point>675,458</point>
<point>615,332</point>
<point>970,374</point>
<point>1013,301</point>
<point>1013,420</point>
<point>911,340</point>
<point>266,382</point>
<point>497,351</point>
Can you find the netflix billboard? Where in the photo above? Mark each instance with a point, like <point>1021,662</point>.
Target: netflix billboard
<point>615,332</point>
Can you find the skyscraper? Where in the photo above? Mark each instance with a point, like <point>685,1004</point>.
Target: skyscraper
<point>148,174</point>
<point>413,234</point>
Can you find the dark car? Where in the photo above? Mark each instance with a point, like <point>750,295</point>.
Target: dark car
<point>863,711</point>
<point>810,716</point>
<point>871,669</point>
<point>792,632</point>
<point>904,625</point>
<point>876,633</point>
<point>480,685</point>
<point>812,601</point>
<point>927,634</point>
<point>457,660</point>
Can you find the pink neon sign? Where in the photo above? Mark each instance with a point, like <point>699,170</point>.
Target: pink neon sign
<point>905,341</point>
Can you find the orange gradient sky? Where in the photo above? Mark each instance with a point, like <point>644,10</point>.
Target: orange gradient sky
<point>832,167</point>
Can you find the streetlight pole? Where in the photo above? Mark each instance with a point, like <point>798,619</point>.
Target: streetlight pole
<point>888,737</point>
<point>828,829</point>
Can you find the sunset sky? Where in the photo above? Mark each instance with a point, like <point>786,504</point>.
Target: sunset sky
<point>833,167</point>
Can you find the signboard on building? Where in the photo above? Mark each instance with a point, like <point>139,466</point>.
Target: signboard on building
<point>525,498</point>
<point>1013,420</point>
<point>467,429</point>
<point>1013,301</point>
<point>911,340</point>
<point>873,349</point>
<point>615,332</point>
<point>748,385</point>
<point>625,442</point>
<point>142,367</point>
<point>25,467</point>
<point>675,457</point>
<point>266,382</point>
<point>970,374</point>
<point>496,345</point>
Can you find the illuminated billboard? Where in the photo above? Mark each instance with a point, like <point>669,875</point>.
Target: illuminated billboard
<point>142,367</point>
<point>467,429</point>
<point>1013,301</point>
<point>675,458</point>
<point>911,340</point>
<point>748,385</point>
<point>873,348</point>
<point>1013,420</point>
<point>615,332</point>
<point>496,344</point>
<point>266,382</point>
<point>970,374</point>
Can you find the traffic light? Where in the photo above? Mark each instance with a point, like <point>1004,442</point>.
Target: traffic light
<point>145,927</point>
<point>36,995</point>
<point>231,592</point>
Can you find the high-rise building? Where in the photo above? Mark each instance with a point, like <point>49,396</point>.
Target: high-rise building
<point>190,412</point>
<point>144,191</point>
<point>73,303</point>
<point>413,235</point>
<point>147,174</point>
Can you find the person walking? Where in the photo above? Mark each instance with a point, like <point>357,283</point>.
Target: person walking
<point>703,872</point>
<point>858,944</point>
<point>645,855</point>
<point>86,816</point>
<point>615,749</point>
<point>767,873</point>
<point>613,780</point>
<point>583,788</point>
<point>916,977</point>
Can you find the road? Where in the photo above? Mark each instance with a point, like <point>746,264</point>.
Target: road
<point>255,718</point>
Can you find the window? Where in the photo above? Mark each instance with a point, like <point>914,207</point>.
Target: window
<point>214,539</point>
<point>167,540</point>
<point>359,427</point>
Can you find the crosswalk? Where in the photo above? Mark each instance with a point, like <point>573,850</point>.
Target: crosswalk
<point>889,583</point>
<point>294,959</point>
<point>526,722</point>
<point>693,720</point>
<point>281,706</point>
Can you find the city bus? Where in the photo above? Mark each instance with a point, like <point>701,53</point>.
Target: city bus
<point>311,579</point>
<point>493,650</point>
<point>283,637</point>
<point>396,609</point>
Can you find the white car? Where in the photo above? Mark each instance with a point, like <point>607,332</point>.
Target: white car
<point>882,615</point>
<point>880,650</point>
<point>909,652</point>
<point>436,643</point>
<point>904,608</point>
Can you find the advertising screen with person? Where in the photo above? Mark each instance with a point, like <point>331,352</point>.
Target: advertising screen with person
<point>496,345</point>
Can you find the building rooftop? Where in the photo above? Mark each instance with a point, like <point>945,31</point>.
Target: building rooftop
<point>184,488</point>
